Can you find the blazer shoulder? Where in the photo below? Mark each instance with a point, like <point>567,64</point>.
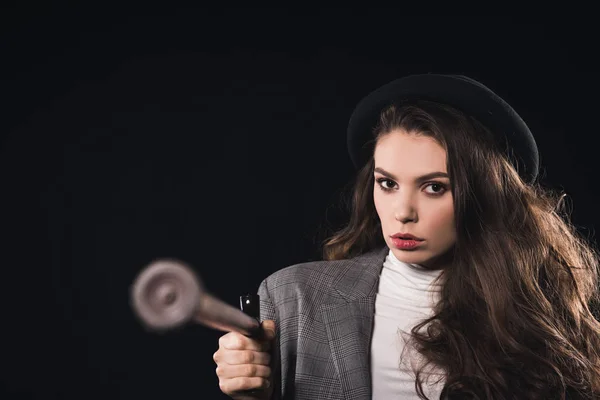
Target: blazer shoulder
<point>319,275</point>
<point>301,288</point>
<point>350,277</point>
<point>307,273</point>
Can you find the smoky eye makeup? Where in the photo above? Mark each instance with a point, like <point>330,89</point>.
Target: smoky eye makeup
<point>388,185</point>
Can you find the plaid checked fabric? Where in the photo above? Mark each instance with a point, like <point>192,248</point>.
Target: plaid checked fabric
<point>324,313</point>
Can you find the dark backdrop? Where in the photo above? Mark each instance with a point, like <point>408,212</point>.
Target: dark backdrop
<point>218,137</point>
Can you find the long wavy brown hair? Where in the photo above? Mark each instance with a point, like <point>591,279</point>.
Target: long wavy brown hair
<point>518,311</point>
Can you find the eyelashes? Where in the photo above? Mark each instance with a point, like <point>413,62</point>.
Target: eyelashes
<point>442,186</point>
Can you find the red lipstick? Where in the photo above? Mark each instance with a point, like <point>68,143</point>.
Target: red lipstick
<point>406,241</point>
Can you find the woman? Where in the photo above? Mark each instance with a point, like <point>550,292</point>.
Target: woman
<point>492,297</point>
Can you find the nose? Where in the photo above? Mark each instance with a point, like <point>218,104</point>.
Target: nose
<point>405,209</point>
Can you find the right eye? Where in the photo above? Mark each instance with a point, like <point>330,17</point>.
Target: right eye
<point>380,182</point>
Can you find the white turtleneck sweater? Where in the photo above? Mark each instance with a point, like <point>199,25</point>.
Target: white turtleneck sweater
<point>405,297</point>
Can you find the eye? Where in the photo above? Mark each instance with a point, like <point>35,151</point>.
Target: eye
<point>438,188</point>
<point>385,188</point>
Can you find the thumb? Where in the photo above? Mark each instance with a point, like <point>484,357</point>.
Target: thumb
<point>268,327</point>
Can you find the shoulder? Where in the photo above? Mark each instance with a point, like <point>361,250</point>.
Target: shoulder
<point>311,273</point>
<point>317,276</point>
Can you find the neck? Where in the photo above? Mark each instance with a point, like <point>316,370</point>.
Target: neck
<point>443,261</point>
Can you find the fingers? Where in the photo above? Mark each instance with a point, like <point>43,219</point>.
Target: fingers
<point>243,363</point>
<point>236,341</point>
<point>242,371</point>
<point>268,327</point>
<point>238,357</point>
<point>231,386</point>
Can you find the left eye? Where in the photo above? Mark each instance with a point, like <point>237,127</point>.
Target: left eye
<point>439,187</point>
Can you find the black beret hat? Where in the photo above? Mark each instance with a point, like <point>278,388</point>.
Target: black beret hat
<point>460,92</point>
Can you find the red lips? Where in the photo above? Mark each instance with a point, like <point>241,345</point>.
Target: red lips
<point>406,236</point>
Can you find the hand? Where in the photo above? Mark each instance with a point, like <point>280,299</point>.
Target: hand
<point>243,364</point>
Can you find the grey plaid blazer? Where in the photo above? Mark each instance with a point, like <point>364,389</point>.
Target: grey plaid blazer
<point>324,315</point>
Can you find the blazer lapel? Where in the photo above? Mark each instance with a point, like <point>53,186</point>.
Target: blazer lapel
<point>349,323</point>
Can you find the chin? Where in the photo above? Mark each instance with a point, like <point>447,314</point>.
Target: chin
<point>411,257</point>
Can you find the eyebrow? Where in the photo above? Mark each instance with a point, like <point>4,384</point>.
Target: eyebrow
<point>422,178</point>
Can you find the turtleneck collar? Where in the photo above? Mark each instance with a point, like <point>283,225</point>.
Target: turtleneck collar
<point>415,271</point>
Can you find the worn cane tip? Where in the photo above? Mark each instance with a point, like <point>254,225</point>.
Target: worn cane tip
<point>165,295</point>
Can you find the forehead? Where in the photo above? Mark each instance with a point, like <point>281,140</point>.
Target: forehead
<point>405,153</point>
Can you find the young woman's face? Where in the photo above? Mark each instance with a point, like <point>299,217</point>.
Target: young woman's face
<point>412,196</point>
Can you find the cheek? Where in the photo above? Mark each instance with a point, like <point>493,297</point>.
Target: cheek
<point>379,203</point>
<point>442,220</point>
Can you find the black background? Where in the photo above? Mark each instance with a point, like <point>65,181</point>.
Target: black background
<point>218,137</point>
